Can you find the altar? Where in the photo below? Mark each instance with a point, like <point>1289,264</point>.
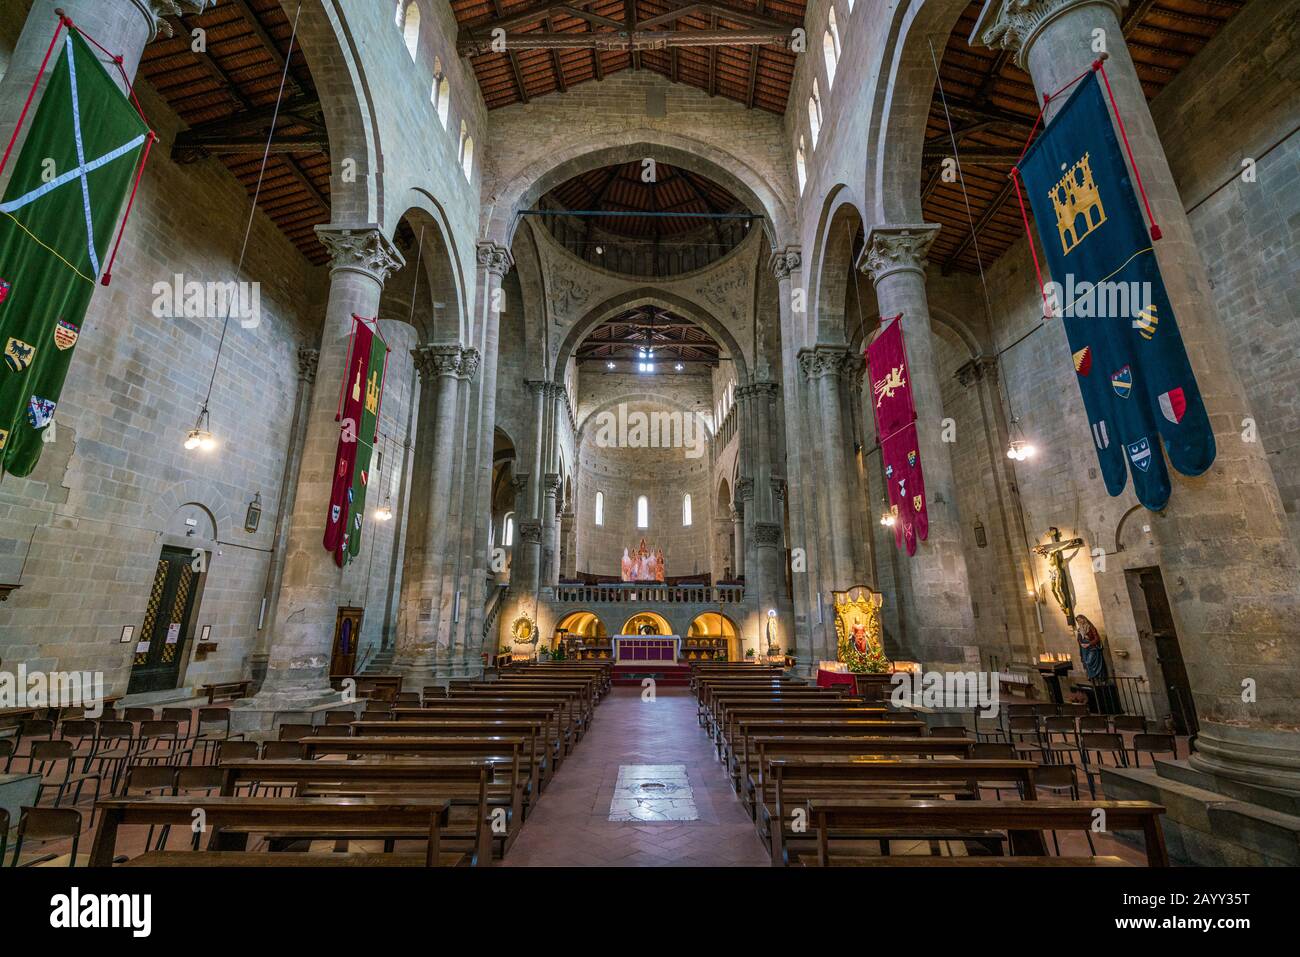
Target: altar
<point>658,648</point>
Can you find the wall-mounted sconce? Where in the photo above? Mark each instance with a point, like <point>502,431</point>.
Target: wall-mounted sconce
<point>254,516</point>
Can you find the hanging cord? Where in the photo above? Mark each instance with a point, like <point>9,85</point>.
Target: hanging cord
<point>252,212</point>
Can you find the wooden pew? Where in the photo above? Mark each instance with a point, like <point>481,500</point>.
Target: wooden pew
<point>225,690</point>
<point>1023,821</point>
<point>570,708</point>
<point>461,709</point>
<point>581,693</point>
<point>232,819</point>
<point>718,701</point>
<point>726,738</point>
<point>790,781</point>
<point>465,781</point>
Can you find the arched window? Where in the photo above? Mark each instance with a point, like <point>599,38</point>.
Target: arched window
<point>642,512</point>
<point>801,164</point>
<point>831,51</point>
<point>834,29</point>
<point>815,113</point>
<point>686,509</point>
<point>441,96</point>
<point>508,530</point>
<point>466,150</point>
<point>600,508</point>
<point>411,28</point>
<point>850,6</point>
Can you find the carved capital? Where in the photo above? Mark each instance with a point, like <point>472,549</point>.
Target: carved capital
<point>530,532</point>
<point>307,360</point>
<point>551,484</point>
<point>778,489</point>
<point>493,259</point>
<point>760,389</point>
<point>1016,24</point>
<point>362,249</point>
<point>744,491</point>
<point>893,249</point>
<point>519,482</point>
<point>767,533</point>
<point>470,360</point>
<point>785,261</point>
<point>823,360</point>
<point>977,369</point>
<point>437,360</point>
<point>155,10</point>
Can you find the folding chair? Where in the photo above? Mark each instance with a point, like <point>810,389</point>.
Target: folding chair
<point>30,730</point>
<point>159,743</point>
<point>82,733</point>
<point>1060,779</point>
<point>997,751</point>
<point>1153,744</point>
<point>1100,743</point>
<point>203,781</point>
<point>49,755</point>
<point>1061,738</point>
<point>114,746</point>
<point>1094,723</point>
<point>46,824</point>
<point>151,779</point>
<point>296,732</point>
<point>1026,726</point>
<point>184,718</point>
<point>212,726</point>
<point>6,753</point>
<point>138,715</point>
<point>340,717</point>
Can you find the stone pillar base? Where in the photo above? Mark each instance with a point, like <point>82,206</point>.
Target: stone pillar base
<point>1256,757</point>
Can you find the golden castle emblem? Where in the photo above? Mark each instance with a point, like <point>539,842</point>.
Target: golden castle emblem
<point>1074,196</point>
<point>372,392</point>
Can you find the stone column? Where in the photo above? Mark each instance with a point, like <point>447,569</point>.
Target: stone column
<point>307,362</point>
<point>549,573</point>
<point>297,669</point>
<point>786,265</point>
<point>123,27</point>
<point>828,370</point>
<point>493,263</point>
<point>439,368</point>
<point>568,531</point>
<point>1229,564</point>
<point>817,513</point>
<point>940,606</point>
<point>738,530</point>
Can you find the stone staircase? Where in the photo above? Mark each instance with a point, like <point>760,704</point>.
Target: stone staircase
<point>380,663</point>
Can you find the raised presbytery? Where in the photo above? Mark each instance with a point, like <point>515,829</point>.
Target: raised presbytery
<point>795,433</point>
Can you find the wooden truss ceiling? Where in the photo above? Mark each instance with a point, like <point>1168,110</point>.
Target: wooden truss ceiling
<point>738,49</point>
<point>674,338</point>
<point>620,189</point>
<point>227,97</point>
<point>993,106</point>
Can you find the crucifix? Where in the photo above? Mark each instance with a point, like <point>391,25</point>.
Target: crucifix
<point>1058,569</point>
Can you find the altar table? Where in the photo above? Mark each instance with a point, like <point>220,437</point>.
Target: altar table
<point>829,679</point>
<point>661,648</point>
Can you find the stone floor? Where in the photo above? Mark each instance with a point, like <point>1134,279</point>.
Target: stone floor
<point>573,826</point>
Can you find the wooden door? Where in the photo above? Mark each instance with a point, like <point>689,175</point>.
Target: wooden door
<point>161,642</point>
<point>347,632</point>
<point>1168,652</point>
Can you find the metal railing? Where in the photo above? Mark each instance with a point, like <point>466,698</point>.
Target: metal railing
<point>494,608</point>
<point>642,592</point>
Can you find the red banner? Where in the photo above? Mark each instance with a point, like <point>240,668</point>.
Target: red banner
<point>891,392</point>
<point>351,410</point>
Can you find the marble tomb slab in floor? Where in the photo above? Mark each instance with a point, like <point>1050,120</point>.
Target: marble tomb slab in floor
<point>653,792</point>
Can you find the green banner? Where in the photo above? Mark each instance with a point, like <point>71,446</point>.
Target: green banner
<point>366,437</point>
<point>56,225</point>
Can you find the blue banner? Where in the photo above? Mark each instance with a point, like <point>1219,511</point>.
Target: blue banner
<point>1129,360</point>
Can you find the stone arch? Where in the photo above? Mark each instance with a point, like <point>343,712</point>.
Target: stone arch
<point>585,623</point>
<point>832,277</point>
<point>438,285</point>
<point>661,620</point>
<point>519,188</point>
<point>203,494</point>
<point>901,107</point>
<point>959,329</point>
<point>727,629</point>
<point>648,296</point>
<point>724,493</point>
<point>332,54</point>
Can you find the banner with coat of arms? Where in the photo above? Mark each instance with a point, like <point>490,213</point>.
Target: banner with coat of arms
<point>57,219</point>
<point>355,458</point>
<point>1128,355</point>
<point>891,395</point>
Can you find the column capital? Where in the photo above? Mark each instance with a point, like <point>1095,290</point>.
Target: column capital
<point>767,533</point>
<point>778,489</point>
<point>1015,24</point>
<point>470,360</point>
<point>307,361</point>
<point>155,10</point>
<point>362,249</point>
<point>782,262</point>
<point>530,532</point>
<point>823,360</point>
<point>551,484</point>
<point>492,258</point>
<point>744,491</point>
<point>437,359</point>
<point>519,482</point>
<point>891,249</point>
<point>757,389</point>
<point>977,369</point>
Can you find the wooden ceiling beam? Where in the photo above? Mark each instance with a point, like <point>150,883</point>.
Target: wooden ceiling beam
<point>627,41</point>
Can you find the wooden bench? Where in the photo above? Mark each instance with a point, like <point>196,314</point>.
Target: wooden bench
<point>1023,821</point>
<point>231,819</point>
<point>553,734</point>
<point>917,860</point>
<point>571,721</point>
<point>229,690</point>
<point>726,737</point>
<point>255,859</point>
<point>467,782</point>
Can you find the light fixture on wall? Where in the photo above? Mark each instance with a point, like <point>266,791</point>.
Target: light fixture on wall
<point>384,513</point>
<point>253,517</point>
<point>200,437</point>
<point>1019,447</point>
<point>679,367</point>
<point>888,515</point>
<point>609,365</point>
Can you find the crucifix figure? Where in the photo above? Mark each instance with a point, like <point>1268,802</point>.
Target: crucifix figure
<point>1058,569</point>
